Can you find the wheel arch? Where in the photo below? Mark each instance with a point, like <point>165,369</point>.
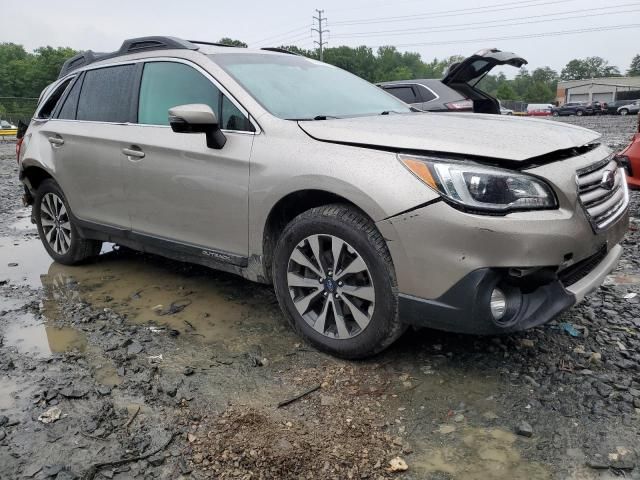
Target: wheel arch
<point>289,207</point>
<point>32,176</point>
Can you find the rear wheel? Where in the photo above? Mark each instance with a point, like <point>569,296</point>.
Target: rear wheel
<point>580,113</point>
<point>335,282</point>
<point>624,111</point>
<point>556,114</point>
<point>56,228</point>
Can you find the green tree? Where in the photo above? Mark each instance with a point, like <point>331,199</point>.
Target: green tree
<point>590,67</point>
<point>634,68</point>
<point>506,92</point>
<point>232,42</point>
<point>539,92</point>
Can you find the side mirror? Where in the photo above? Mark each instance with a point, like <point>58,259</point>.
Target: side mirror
<point>197,118</point>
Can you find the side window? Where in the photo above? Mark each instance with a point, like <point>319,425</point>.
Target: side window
<point>106,94</point>
<point>166,84</point>
<point>50,104</point>
<point>426,94</point>
<point>232,118</point>
<point>70,105</point>
<point>406,94</point>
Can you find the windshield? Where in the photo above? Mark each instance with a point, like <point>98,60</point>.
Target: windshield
<point>298,88</point>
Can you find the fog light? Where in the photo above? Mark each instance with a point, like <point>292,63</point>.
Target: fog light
<point>498,303</point>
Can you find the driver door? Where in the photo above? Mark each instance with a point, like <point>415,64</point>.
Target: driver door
<point>180,190</point>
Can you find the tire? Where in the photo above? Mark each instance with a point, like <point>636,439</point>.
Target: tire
<point>56,227</point>
<point>556,114</point>
<point>624,112</point>
<point>374,324</point>
<point>579,113</point>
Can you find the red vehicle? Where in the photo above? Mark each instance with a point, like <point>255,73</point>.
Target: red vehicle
<point>630,159</point>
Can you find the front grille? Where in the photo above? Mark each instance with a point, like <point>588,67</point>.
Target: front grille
<point>603,192</point>
<point>578,271</point>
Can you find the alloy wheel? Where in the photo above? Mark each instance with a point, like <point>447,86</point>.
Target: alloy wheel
<point>331,286</point>
<point>55,223</point>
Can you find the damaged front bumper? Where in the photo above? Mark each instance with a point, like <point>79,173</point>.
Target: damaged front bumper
<point>448,263</point>
<point>531,300</point>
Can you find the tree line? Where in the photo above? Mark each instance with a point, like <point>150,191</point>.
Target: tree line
<point>24,75</point>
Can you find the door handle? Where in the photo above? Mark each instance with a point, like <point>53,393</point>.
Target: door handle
<point>56,141</point>
<point>133,152</point>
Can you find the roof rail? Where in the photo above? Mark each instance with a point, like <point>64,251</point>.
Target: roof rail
<point>132,45</point>
<point>279,50</point>
<point>215,44</point>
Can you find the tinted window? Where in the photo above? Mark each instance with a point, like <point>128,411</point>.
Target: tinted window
<point>406,94</point>
<point>166,85</point>
<point>232,118</point>
<point>47,109</point>
<point>106,94</point>
<point>68,110</point>
<point>426,94</point>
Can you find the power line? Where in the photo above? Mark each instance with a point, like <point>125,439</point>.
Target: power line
<point>451,13</point>
<point>321,31</point>
<point>516,37</point>
<point>270,38</point>
<point>495,23</point>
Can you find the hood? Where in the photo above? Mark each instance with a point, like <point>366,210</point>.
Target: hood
<point>491,136</point>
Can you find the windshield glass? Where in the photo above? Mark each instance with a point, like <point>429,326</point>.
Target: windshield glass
<point>295,87</point>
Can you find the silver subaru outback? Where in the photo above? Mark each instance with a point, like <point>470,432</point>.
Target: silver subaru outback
<point>367,216</point>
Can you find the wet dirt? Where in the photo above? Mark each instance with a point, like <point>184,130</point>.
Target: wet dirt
<point>135,349</point>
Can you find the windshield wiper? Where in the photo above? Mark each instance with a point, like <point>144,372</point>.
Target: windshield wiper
<point>317,117</point>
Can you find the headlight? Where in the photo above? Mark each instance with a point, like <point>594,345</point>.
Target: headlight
<point>481,188</point>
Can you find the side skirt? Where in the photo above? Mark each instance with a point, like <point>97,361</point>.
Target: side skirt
<point>216,259</point>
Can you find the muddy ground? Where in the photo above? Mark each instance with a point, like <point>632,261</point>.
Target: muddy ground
<point>135,366</point>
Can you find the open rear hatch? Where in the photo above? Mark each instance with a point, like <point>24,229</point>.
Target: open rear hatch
<point>465,75</point>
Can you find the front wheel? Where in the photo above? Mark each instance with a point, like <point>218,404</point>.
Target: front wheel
<point>336,283</point>
<point>556,114</point>
<point>56,228</point>
<point>579,113</point>
<point>624,111</point>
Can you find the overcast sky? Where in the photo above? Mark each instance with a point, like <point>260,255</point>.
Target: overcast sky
<point>435,28</point>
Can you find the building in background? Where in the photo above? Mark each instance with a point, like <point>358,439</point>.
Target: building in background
<point>606,89</point>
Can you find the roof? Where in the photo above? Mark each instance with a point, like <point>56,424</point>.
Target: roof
<point>605,81</point>
<point>144,44</point>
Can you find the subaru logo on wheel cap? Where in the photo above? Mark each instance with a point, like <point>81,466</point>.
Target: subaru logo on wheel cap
<point>608,179</point>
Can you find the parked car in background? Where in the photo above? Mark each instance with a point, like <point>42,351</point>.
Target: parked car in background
<point>505,111</point>
<point>7,129</point>
<point>572,108</point>
<point>630,108</point>
<point>539,109</point>
<point>457,91</point>
<point>365,216</point>
<point>597,108</point>
<point>630,159</point>
<point>612,107</point>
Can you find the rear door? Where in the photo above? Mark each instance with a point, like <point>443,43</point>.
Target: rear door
<point>464,76</point>
<point>179,189</point>
<point>86,135</point>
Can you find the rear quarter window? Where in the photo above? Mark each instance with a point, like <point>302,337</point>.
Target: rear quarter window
<point>406,94</point>
<point>50,103</point>
<point>107,94</point>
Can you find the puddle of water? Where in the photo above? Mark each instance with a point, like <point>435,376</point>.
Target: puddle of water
<point>480,454</point>
<point>23,223</point>
<point>33,337</point>
<point>7,388</point>
<point>31,257</point>
<point>215,307</point>
<point>105,374</point>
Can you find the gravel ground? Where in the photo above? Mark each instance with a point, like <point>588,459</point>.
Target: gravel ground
<point>146,391</point>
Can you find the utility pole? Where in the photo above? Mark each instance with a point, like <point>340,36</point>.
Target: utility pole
<point>321,31</point>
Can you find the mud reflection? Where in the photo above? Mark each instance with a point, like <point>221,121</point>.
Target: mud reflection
<point>32,337</point>
<point>204,303</point>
